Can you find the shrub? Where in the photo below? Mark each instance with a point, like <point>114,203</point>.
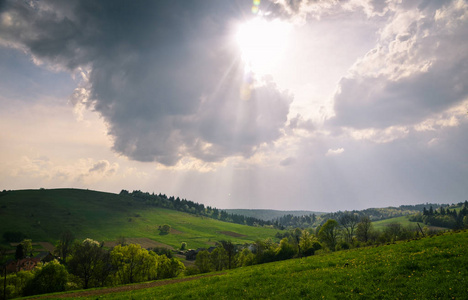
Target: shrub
<point>52,277</point>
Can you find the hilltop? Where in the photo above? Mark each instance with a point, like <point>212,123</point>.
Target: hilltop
<point>42,215</point>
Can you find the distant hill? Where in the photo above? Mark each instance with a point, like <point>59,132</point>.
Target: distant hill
<point>271,214</point>
<point>43,215</point>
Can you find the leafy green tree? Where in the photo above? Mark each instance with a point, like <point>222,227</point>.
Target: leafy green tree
<point>203,261</point>
<point>265,251</point>
<point>65,245</point>
<point>49,278</point>
<point>230,251</point>
<point>165,229</point>
<point>246,258</point>
<point>364,229</point>
<point>219,258</point>
<point>393,231</point>
<point>168,267</point>
<point>183,246</point>
<point>306,243</point>
<point>27,247</point>
<point>133,263</point>
<point>329,233</point>
<point>285,250</point>
<point>86,261</point>
<point>348,222</point>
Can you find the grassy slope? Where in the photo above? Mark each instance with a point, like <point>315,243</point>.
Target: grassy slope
<point>44,214</point>
<point>403,220</point>
<point>429,268</point>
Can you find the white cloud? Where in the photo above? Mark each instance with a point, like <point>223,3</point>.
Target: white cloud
<point>334,152</point>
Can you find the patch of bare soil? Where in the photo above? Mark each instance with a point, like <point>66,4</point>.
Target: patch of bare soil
<point>126,288</point>
<point>233,234</point>
<point>175,231</point>
<point>48,246</point>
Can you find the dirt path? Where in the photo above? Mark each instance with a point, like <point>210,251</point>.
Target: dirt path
<point>125,288</point>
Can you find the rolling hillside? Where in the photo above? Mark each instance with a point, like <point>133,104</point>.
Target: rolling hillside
<point>429,268</point>
<point>44,214</point>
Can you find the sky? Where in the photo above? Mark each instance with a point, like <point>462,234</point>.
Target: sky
<point>291,105</point>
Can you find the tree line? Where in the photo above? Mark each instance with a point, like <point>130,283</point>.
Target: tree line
<point>348,231</point>
<point>175,203</point>
<point>448,216</point>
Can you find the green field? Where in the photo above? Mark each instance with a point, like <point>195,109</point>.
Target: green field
<point>44,214</point>
<point>429,268</point>
<point>403,220</point>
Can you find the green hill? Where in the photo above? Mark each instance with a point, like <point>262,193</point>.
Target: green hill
<point>271,214</point>
<point>435,267</point>
<point>42,215</point>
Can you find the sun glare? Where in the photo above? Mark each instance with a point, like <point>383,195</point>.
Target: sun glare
<point>262,43</point>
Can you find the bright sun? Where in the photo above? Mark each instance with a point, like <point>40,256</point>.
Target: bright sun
<point>262,43</point>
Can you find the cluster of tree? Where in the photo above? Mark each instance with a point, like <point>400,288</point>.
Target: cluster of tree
<point>298,243</point>
<point>350,231</point>
<point>291,221</point>
<point>88,264</point>
<point>191,207</point>
<point>374,214</point>
<point>453,217</point>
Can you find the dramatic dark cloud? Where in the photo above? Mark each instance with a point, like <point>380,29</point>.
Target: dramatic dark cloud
<point>166,77</point>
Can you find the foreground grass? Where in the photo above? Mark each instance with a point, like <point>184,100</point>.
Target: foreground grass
<point>429,268</point>
<point>106,216</point>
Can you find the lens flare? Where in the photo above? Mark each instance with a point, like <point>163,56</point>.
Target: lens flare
<point>255,6</point>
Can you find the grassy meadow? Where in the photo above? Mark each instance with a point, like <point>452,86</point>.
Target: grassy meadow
<point>429,268</point>
<point>44,214</point>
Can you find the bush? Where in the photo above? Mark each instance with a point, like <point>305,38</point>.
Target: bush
<point>50,278</point>
<point>189,271</point>
<point>165,229</point>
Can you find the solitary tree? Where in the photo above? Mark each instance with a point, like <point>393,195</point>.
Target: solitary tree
<point>363,229</point>
<point>86,261</point>
<point>219,258</point>
<point>27,247</point>
<point>230,251</point>
<point>203,261</point>
<point>349,222</point>
<point>306,243</point>
<point>65,244</point>
<point>165,229</point>
<point>329,233</point>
